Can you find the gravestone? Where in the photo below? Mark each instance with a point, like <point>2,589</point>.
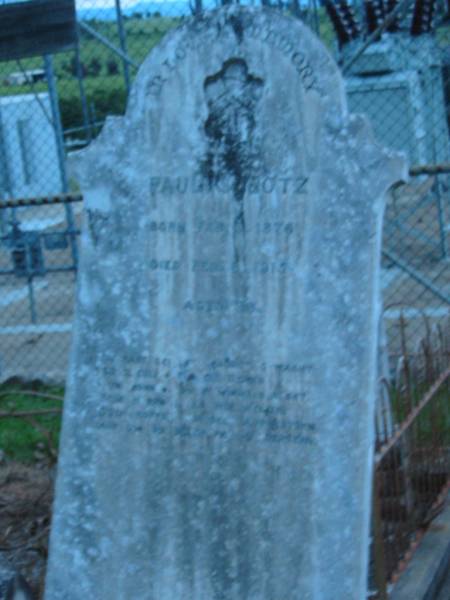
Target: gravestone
<point>218,426</point>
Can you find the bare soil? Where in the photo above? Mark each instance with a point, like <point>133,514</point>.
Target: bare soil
<point>26,494</point>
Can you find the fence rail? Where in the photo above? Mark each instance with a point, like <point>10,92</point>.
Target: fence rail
<point>396,67</point>
<point>412,459</point>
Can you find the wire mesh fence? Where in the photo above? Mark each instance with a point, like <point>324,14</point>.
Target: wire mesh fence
<point>38,265</point>
<point>412,462</point>
<point>395,58</point>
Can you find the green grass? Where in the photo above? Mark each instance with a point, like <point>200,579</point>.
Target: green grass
<point>19,438</point>
<point>433,422</point>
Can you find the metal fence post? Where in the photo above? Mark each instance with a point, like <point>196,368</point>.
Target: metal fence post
<point>441,220</point>
<point>84,105</point>
<point>5,181</point>
<point>378,549</point>
<point>123,45</point>
<point>56,120</point>
<point>198,7</point>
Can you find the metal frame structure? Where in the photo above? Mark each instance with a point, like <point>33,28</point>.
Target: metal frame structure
<point>26,248</point>
<point>403,453</point>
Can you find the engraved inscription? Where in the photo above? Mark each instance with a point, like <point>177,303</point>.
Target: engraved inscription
<point>261,267</point>
<point>164,185</point>
<point>228,398</point>
<point>164,265</point>
<point>272,37</point>
<point>289,48</point>
<point>209,227</point>
<point>176,227</point>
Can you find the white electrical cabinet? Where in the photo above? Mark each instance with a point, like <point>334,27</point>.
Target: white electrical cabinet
<point>397,83</point>
<point>29,163</point>
<point>395,107</point>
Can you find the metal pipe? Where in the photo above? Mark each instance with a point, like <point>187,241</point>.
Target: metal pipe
<point>59,199</point>
<point>56,117</point>
<point>198,7</point>
<point>123,45</point>
<point>441,220</point>
<point>84,105</point>
<point>31,300</point>
<point>417,235</point>
<point>47,270</point>
<point>431,169</point>
<point>315,16</point>
<point>412,416</point>
<point>103,40</point>
<point>378,549</point>
<point>376,34</point>
<point>5,183</point>
<point>416,276</point>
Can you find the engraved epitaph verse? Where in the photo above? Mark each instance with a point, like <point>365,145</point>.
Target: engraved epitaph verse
<point>143,405</point>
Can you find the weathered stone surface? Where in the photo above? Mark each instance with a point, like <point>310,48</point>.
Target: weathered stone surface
<point>217,439</point>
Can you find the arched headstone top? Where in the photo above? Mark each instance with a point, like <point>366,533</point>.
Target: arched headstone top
<point>257,35</point>
<point>301,90</point>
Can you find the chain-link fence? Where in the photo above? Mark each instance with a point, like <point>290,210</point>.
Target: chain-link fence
<point>395,57</point>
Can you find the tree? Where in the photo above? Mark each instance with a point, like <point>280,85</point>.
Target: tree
<point>95,66</point>
<point>112,67</point>
<point>73,68</point>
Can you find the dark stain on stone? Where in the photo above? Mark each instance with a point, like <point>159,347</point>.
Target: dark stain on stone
<point>232,95</point>
<point>237,26</point>
<point>239,237</point>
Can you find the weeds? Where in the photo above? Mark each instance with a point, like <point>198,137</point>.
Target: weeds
<point>30,421</point>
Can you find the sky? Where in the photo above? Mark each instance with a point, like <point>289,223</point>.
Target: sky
<point>102,3</point>
<point>108,3</point>
<point>95,3</point>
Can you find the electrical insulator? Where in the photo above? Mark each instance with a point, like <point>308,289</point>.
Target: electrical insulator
<point>344,21</point>
<point>375,14</point>
<point>422,20</point>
